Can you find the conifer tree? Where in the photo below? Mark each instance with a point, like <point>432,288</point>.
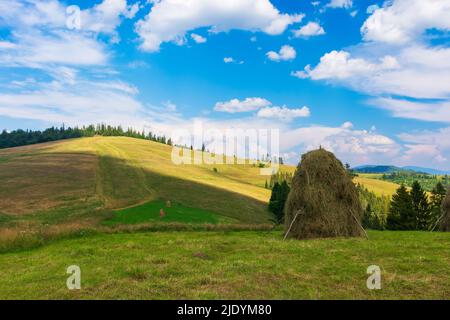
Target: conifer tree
<point>437,198</point>
<point>420,206</point>
<point>401,213</point>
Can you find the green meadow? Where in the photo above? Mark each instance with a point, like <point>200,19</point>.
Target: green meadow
<point>231,265</point>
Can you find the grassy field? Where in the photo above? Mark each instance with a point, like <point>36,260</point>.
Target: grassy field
<point>231,265</point>
<point>150,212</point>
<point>379,187</point>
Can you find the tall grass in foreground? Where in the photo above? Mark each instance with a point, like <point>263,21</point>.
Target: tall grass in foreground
<point>17,239</point>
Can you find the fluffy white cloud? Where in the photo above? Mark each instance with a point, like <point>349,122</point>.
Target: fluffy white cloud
<point>236,105</point>
<point>402,21</point>
<point>76,103</point>
<point>6,45</point>
<point>35,49</point>
<point>198,38</point>
<point>286,53</point>
<point>170,20</point>
<point>26,14</point>
<point>309,30</point>
<point>228,60</point>
<point>354,146</point>
<point>425,111</point>
<point>106,16</point>
<point>41,37</point>
<point>69,67</point>
<point>340,65</point>
<point>283,113</point>
<point>430,148</point>
<point>423,72</point>
<point>340,4</point>
<point>408,67</point>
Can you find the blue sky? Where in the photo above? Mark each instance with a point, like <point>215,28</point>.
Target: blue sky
<point>369,80</point>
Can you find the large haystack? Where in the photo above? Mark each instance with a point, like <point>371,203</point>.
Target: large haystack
<point>324,199</point>
<point>444,223</point>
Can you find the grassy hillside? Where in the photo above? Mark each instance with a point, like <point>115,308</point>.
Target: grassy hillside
<point>379,187</point>
<point>81,179</point>
<point>231,265</point>
<point>84,180</point>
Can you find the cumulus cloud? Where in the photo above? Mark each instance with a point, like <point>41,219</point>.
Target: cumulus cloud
<point>340,4</point>
<point>286,53</point>
<point>170,20</point>
<point>340,65</point>
<point>236,105</point>
<point>265,109</point>
<point>198,38</point>
<point>354,146</point>
<point>283,113</point>
<point>106,16</point>
<point>103,17</point>
<point>309,30</point>
<point>429,147</point>
<point>403,21</point>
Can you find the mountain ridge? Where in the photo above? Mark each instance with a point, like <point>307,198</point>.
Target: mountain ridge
<point>391,168</point>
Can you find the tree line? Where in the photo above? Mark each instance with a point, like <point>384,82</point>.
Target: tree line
<point>21,137</point>
<point>427,181</point>
<point>414,210</point>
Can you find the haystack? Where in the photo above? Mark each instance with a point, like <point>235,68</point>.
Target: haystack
<point>444,223</point>
<point>323,201</point>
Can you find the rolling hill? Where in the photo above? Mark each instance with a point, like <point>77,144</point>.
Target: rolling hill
<point>83,178</point>
<point>89,180</point>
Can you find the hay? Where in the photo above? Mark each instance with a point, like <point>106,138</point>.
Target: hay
<point>323,201</point>
<point>444,223</point>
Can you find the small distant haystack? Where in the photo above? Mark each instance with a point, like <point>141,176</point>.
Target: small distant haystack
<point>323,201</point>
<point>444,224</point>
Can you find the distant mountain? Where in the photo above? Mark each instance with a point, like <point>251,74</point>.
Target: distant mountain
<point>390,169</point>
<point>376,169</point>
<point>426,170</point>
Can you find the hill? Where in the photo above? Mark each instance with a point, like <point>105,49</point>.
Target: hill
<point>377,169</point>
<point>86,179</point>
<point>379,187</point>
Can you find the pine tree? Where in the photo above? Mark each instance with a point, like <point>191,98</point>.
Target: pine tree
<point>420,206</point>
<point>401,213</point>
<point>284,193</point>
<point>367,216</point>
<point>437,198</point>
<point>274,201</point>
